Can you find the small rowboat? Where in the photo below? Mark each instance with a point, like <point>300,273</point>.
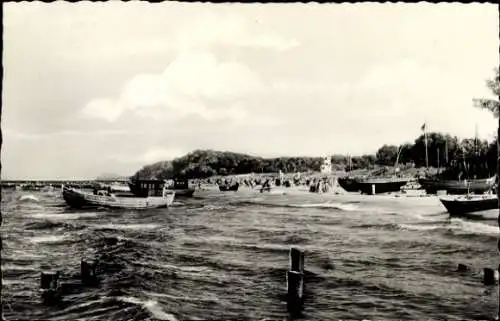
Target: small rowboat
<point>80,199</point>
<point>463,205</point>
<point>477,186</point>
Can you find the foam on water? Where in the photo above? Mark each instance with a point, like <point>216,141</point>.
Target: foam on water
<point>152,306</point>
<point>340,206</point>
<point>28,198</point>
<point>228,260</point>
<point>63,216</point>
<point>460,225</point>
<point>48,238</point>
<point>415,227</point>
<point>214,207</point>
<point>112,226</point>
<point>15,267</point>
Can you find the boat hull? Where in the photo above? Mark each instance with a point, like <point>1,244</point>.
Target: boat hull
<point>456,207</point>
<point>349,184</point>
<point>476,186</point>
<point>265,189</point>
<point>381,186</point>
<point>80,199</point>
<point>226,188</point>
<point>185,192</point>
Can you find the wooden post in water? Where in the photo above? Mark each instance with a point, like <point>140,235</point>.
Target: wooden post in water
<point>1,273</point>
<point>88,272</point>
<point>295,281</point>
<point>49,287</point>
<point>488,276</point>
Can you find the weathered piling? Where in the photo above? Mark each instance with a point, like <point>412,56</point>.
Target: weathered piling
<point>88,272</point>
<point>296,260</point>
<point>488,276</point>
<point>49,287</point>
<point>498,307</point>
<point>295,281</point>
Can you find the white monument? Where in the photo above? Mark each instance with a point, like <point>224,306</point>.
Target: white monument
<point>326,167</point>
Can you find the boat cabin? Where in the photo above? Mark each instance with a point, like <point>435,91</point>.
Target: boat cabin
<point>145,188</point>
<point>181,183</point>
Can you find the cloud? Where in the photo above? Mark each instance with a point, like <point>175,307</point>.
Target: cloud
<point>160,154</point>
<point>105,108</point>
<point>181,90</point>
<point>152,155</point>
<point>66,134</point>
<point>232,31</point>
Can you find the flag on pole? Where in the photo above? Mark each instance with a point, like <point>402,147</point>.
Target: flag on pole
<point>423,127</point>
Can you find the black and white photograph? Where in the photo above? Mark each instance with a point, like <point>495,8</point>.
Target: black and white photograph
<point>250,161</point>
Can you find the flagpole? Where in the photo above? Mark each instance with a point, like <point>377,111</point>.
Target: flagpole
<point>426,152</point>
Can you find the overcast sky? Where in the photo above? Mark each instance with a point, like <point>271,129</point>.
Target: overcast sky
<point>91,88</point>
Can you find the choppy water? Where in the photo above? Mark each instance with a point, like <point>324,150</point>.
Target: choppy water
<point>224,255</point>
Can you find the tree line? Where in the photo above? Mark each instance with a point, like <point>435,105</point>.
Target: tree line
<point>443,150</point>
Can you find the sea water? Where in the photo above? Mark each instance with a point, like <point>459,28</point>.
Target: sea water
<point>224,256</point>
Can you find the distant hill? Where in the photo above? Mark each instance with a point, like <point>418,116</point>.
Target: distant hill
<point>468,156</point>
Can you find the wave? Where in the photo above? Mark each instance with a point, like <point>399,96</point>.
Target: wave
<point>456,227</point>
<point>28,198</point>
<point>215,207</point>
<point>348,207</point>
<point>48,225</point>
<point>420,227</point>
<point>112,226</point>
<point>63,216</point>
<point>465,227</point>
<point>385,226</point>
<point>48,239</point>
<point>152,306</point>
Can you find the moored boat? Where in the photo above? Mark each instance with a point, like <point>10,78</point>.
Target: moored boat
<point>147,195</point>
<point>116,187</point>
<point>382,185</point>
<point>349,184</point>
<point>229,188</point>
<point>461,205</point>
<point>181,188</point>
<point>476,186</point>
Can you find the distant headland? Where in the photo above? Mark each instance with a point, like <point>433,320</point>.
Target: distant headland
<point>440,151</point>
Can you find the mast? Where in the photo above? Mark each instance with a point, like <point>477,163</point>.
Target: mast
<point>446,151</point>
<point>438,160</point>
<point>425,138</point>
<point>475,139</point>
<point>397,159</point>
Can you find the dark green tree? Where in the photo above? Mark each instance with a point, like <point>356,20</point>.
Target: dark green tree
<point>387,154</point>
<point>492,105</point>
